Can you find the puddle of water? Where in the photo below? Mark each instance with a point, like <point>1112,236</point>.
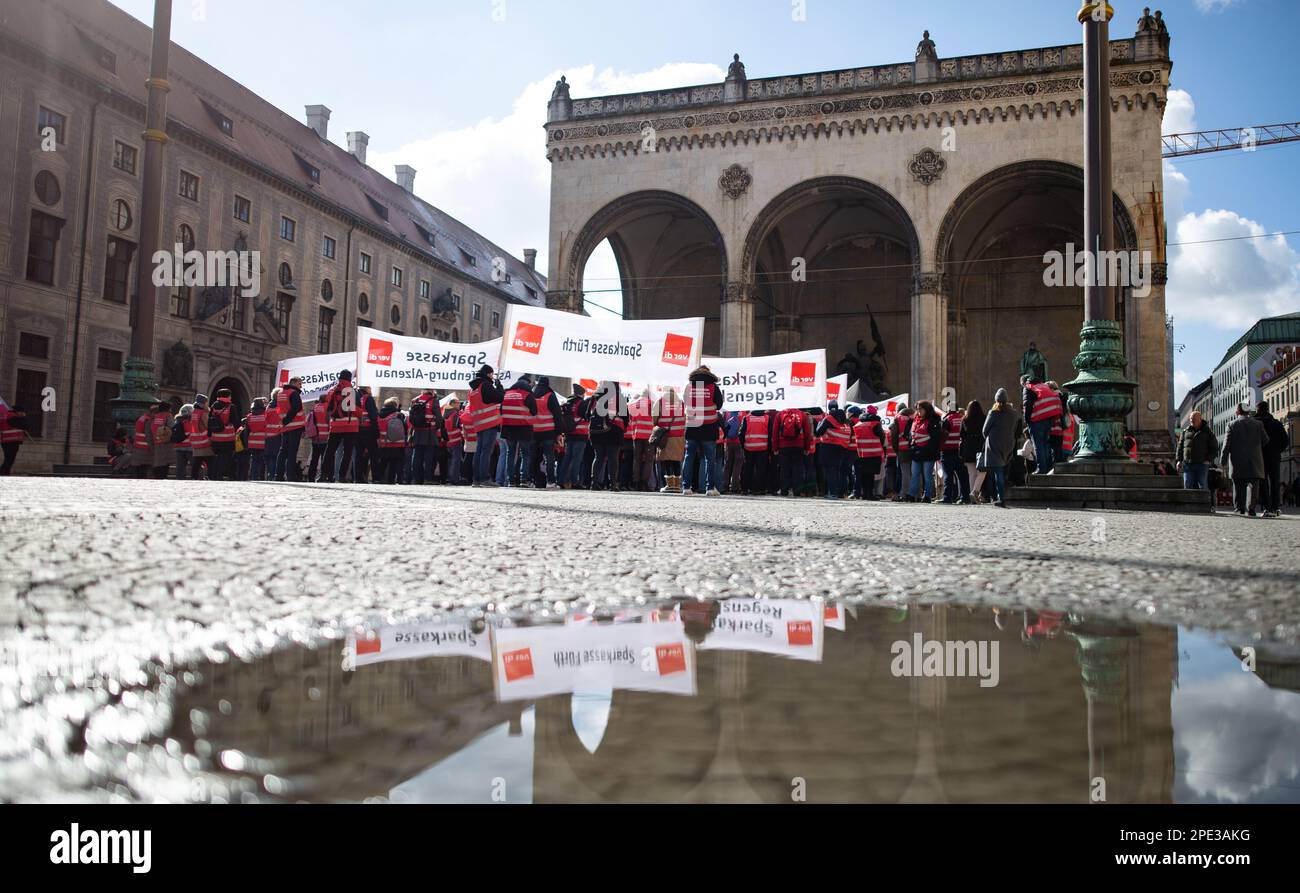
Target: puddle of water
<point>756,701</point>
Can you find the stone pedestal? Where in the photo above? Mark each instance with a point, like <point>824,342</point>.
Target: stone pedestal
<point>139,389</point>
<point>1109,484</point>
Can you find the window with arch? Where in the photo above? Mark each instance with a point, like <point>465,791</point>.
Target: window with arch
<point>286,275</point>
<point>326,290</point>
<point>121,214</point>
<point>363,303</point>
<point>180,302</point>
<point>395,315</point>
<point>424,325</point>
<point>47,188</point>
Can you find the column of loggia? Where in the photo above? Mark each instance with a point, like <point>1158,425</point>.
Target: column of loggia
<point>929,338</point>
<point>736,338</point>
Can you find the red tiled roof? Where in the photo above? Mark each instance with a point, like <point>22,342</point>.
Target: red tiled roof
<point>68,30</point>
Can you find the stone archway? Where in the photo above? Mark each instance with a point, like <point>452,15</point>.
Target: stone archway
<point>671,257</point>
<point>861,251</point>
<point>990,251</point>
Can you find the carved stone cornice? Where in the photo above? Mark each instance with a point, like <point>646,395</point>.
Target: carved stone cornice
<point>738,293</point>
<point>927,283</point>
<point>1160,274</point>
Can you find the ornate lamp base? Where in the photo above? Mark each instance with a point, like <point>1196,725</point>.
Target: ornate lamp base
<point>1101,396</point>
<point>139,389</point>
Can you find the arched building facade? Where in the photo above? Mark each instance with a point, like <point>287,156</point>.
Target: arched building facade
<point>899,211</point>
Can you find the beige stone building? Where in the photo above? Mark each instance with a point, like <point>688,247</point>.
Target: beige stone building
<point>1281,391</point>
<point>340,243</point>
<point>898,214</point>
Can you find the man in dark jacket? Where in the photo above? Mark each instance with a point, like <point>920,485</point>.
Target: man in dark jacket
<point>1278,441</point>
<point>1197,450</point>
<point>484,390</point>
<point>704,401</point>
<point>518,406</point>
<point>1243,453</point>
<point>577,411</point>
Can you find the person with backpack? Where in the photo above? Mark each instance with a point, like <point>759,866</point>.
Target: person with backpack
<point>609,422</point>
<point>393,432</point>
<point>483,423</point>
<point>834,439</point>
<point>539,456</point>
<point>670,418</point>
<point>869,446</point>
<point>223,428</point>
<point>733,453</point>
<point>423,409</point>
<point>575,422</point>
<point>344,414</point>
<point>793,434</point>
<point>451,424</point>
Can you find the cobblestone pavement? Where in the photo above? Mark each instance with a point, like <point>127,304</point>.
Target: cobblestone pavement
<point>103,577</point>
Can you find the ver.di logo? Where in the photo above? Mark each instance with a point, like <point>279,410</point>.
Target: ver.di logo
<point>677,349</point>
<point>380,353</point>
<point>518,664</point>
<point>528,337</point>
<point>803,375</point>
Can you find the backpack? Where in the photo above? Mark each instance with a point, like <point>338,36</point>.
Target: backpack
<point>792,424</point>
<point>395,430</point>
<point>419,415</point>
<point>569,417</point>
<point>178,432</point>
<point>600,424</point>
<point>658,437</point>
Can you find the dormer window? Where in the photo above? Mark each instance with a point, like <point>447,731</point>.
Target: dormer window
<point>380,209</point>
<point>311,170</point>
<point>219,118</point>
<point>470,260</point>
<point>426,235</point>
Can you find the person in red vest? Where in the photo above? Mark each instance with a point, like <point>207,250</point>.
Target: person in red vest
<point>956,481</point>
<point>344,412</point>
<point>13,432</point>
<point>792,436</point>
<point>927,438</point>
<point>609,422</point>
<point>641,415</point>
<point>142,443</point>
<point>869,445</point>
<point>255,423</point>
<point>422,421</point>
<point>293,422</point>
<point>318,432</point>
<point>274,434</point>
<point>900,438</point>
<point>518,406</point>
<point>755,435</point>
<point>482,420</point>
<point>539,458</point>
<point>393,434</point>
<point>575,417</point>
<point>223,425</point>
<point>451,422</point>
<point>1042,406</point>
<point>670,415</point>
<point>834,438</point>
<point>704,400</point>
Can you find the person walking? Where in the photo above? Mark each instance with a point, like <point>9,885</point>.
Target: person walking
<point>1274,447</point>
<point>274,434</point>
<point>733,452</point>
<point>999,433</point>
<point>1243,455</point>
<point>972,440</point>
<point>869,444</point>
<point>670,415</point>
<point>704,401</point>
<point>902,437</point>
<point>834,437</point>
<point>293,421</point>
<point>141,451</point>
<point>540,459</point>
<point>956,481</point>
<point>1197,450</point>
<point>793,432</point>
<point>367,436</point>
<point>484,422</point>
<point>317,429</point>
<point>420,422</point>
<point>755,435</point>
<point>198,437</point>
<point>609,422</point>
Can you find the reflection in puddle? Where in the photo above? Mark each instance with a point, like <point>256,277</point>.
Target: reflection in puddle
<point>744,700</point>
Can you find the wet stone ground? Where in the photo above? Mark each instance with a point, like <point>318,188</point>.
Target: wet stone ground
<point>121,601</point>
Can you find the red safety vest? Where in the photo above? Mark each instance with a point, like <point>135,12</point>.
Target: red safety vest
<point>640,420</point>
<point>700,406</point>
<point>257,432</point>
<point>672,415</point>
<point>836,434</point>
<point>282,408</point>
<point>952,431</point>
<point>430,407</point>
<point>904,425</point>
<point>455,436</point>
<point>341,420</point>
<point>196,431</point>
<point>1068,433</point>
<point>384,442</point>
<point>9,433</point>
<point>867,440</point>
<point>321,419</point>
<point>920,435</point>
<point>274,427</point>
<point>1047,404</point>
<point>514,409</point>
<point>363,417</point>
<point>482,416</point>
<point>227,432</point>
<point>544,422</point>
<point>141,441</point>
<point>756,433</point>
<point>1133,450</point>
<point>581,427</point>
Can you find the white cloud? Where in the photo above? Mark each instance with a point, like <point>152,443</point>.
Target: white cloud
<point>1180,113</point>
<point>1182,384</point>
<point>494,176</point>
<point>1215,5</point>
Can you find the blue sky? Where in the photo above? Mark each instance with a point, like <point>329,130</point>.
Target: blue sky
<point>457,88</point>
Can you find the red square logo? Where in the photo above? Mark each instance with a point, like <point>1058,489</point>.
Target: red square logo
<point>799,632</point>
<point>528,337</point>
<point>369,645</point>
<point>832,612</point>
<point>803,375</point>
<point>832,391</point>
<point>380,352</point>
<point>518,664</point>
<point>672,659</point>
<point>284,377</point>
<point>677,349</point>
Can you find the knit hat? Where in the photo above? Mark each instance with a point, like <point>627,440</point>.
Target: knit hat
<point>579,391</point>
<point>1001,396</point>
<point>345,375</point>
<point>187,410</point>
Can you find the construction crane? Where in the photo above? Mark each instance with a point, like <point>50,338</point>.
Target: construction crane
<point>1243,138</point>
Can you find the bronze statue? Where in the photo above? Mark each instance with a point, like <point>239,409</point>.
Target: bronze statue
<point>1034,364</point>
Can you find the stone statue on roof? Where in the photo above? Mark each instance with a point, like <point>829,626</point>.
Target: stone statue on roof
<point>1147,22</point>
<point>926,48</point>
<point>736,72</point>
<point>561,89</point>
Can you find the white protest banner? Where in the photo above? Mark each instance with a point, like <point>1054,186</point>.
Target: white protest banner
<point>552,342</point>
<point>790,627</point>
<point>837,390</point>
<point>318,373</point>
<point>533,662</point>
<point>887,408</point>
<point>834,616</point>
<point>782,381</point>
<point>414,641</point>
<point>402,361</point>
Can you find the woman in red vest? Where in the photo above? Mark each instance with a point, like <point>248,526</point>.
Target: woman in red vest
<point>12,434</point>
